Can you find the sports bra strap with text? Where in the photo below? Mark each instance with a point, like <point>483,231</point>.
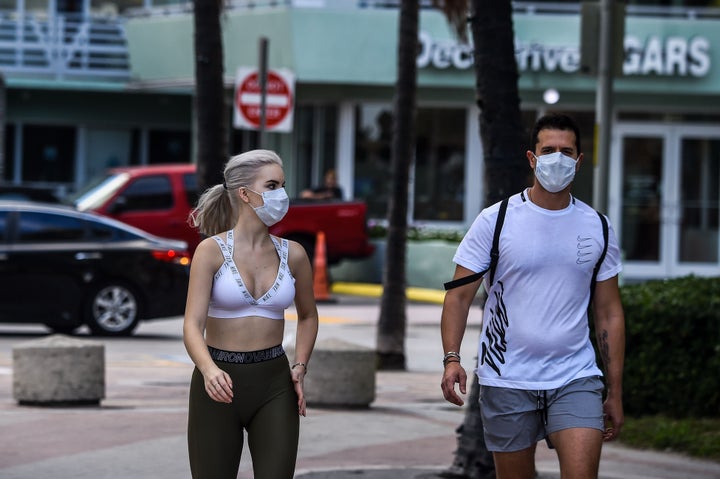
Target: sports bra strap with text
<point>227,251</point>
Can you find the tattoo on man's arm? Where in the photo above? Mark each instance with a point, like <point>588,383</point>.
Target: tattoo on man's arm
<point>604,347</point>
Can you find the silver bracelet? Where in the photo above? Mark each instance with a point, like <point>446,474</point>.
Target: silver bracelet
<point>450,354</point>
<point>299,364</point>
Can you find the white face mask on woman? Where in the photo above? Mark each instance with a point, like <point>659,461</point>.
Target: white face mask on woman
<point>275,206</point>
<point>554,171</point>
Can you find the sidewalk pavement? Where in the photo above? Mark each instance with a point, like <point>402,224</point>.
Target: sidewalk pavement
<point>138,431</point>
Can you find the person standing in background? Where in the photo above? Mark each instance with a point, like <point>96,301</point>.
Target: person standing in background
<point>329,190</point>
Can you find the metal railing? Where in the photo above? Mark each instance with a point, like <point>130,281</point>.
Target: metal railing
<point>94,47</point>
<point>159,7</point>
<point>63,47</point>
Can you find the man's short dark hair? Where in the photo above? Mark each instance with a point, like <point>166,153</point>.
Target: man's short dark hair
<point>555,121</point>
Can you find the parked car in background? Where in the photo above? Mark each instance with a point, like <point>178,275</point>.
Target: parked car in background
<point>159,198</point>
<point>27,193</point>
<point>65,269</point>
<point>156,199</point>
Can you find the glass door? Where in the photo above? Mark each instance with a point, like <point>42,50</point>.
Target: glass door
<point>664,200</point>
<point>697,249</point>
<point>104,148</point>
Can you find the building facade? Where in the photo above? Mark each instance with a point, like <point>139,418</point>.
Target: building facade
<point>90,85</point>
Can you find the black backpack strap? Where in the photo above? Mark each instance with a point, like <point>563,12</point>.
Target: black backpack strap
<point>494,253</point>
<point>464,280</point>
<point>604,222</point>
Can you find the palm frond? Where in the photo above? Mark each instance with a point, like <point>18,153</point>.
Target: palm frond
<point>456,12</point>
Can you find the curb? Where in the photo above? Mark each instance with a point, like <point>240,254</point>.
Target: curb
<point>422,295</point>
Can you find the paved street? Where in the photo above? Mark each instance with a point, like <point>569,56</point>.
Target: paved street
<point>138,431</point>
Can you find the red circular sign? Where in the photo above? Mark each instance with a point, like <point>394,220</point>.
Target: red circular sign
<point>278,99</point>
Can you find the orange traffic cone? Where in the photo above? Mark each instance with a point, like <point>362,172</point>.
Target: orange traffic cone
<point>321,288</point>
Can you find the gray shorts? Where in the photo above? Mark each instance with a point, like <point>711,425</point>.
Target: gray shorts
<point>515,419</point>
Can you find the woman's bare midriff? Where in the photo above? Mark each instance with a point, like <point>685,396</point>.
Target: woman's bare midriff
<point>251,333</point>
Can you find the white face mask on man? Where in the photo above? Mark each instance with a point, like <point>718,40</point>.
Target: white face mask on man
<point>554,171</point>
<point>275,206</point>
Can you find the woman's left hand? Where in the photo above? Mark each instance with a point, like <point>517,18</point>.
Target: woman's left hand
<point>298,374</point>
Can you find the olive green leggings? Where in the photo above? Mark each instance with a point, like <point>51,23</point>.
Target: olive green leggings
<point>264,404</point>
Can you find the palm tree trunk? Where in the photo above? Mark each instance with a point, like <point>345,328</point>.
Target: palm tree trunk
<point>392,321</point>
<point>496,88</point>
<point>211,112</point>
<point>472,459</point>
<point>506,173</point>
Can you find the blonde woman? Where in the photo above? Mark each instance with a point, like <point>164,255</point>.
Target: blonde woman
<point>241,281</point>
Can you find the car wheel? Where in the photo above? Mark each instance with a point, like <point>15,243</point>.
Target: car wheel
<point>112,310</point>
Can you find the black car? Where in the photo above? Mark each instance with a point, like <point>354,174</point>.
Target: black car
<point>27,193</point>
<point>65,268</point>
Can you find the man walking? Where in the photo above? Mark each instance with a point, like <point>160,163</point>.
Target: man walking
<point>536,365</point>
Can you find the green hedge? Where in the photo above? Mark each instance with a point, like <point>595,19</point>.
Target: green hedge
<point>672,354</point>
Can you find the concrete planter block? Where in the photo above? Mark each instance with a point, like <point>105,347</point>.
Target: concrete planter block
<point>59,370</point>
<point>341,374</point>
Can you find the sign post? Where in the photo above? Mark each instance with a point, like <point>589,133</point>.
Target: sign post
<point>279,100</point>
<point>262,66</point>
<point>604,19</point>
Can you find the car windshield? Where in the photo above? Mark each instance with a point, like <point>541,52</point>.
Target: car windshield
<point>97,191</point>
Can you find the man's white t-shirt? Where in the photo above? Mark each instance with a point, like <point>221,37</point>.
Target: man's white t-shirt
<point>535,333</point>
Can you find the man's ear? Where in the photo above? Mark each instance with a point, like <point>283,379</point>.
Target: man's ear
<point>578,162</point>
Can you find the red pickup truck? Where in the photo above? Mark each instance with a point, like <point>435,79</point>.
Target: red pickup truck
<point>158,199</point>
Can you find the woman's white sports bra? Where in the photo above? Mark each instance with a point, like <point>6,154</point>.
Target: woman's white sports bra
<point>231,299</point>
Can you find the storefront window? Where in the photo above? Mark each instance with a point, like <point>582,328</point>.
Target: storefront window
<point>315,144</point>
<point>48,153</point>
<point>642,198</point>
<point>438,169</point>
<point>243,140</point>
<point>106,148</point>
<point>373,137</point>
<point>700,200</point>
<point>439,165</point>
<point>169,146</point>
